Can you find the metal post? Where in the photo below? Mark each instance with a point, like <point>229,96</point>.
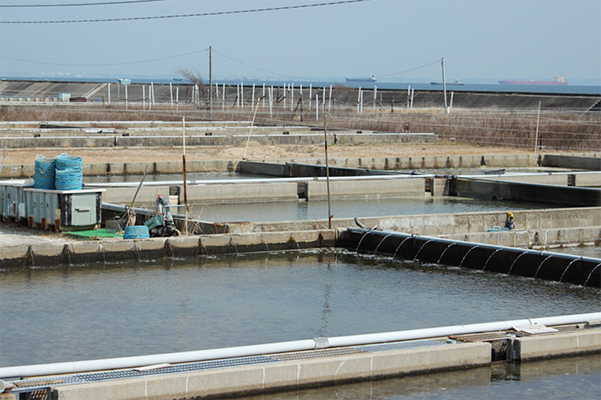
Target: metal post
<point>325,135</point>
<point>537,124</point>
<point>444,87</point>
<point>210,82</point>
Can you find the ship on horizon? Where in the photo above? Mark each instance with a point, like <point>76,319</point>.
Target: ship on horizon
<point>457,82</point>
<point>369,79</point>
<point>558,81</point>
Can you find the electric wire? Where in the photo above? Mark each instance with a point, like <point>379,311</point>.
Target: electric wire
<point>105,3</point>
<point>206,14</point>
<point>107,64</point>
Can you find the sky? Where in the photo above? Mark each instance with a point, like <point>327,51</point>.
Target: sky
<point>398,40</point>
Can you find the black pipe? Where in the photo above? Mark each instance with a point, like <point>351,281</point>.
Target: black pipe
<point>558,267</point>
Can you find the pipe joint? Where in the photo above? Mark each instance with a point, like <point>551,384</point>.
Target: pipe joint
<point>321,343</point>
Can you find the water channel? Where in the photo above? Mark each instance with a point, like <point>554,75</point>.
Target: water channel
<point>81,312</point>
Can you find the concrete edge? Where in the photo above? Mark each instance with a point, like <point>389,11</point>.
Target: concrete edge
<point>286,375</point>
<point>556,345</point>
<point>110,250</point>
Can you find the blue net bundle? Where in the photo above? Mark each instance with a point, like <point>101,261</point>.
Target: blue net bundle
<point>44,175</point>
<point>69,174</point>
<point>65,161</point>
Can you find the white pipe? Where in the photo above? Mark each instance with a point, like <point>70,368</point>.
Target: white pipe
<point>135,361</point>
<point>458,330</point>
<point>254,180</point>
<point>281,347</point>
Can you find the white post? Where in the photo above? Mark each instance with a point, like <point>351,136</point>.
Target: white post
<point>176,97</point>
<point>310,94</point>
<point>271,102</point>
<point>323,101</point>
<point>152,90</point>
<point>330,100</point>
<point>362,102</point>
<point>358,99</point>
<point>241,94</point>
<point>144,97</point>
<point>171,93</point>
<point>451,103</point>
<point>316,106</point>
<point>223,96</point>
<point>126,97</point>
<point>412,94</point>
<point>408,95</point>
<point>237,96</point>
<point>375,96</point>
<point>150,96</point>
<point>292,97</point>
<point>109,91</point>
<point>252,104</point>
<point>263,95</point>
<point>285,94</point>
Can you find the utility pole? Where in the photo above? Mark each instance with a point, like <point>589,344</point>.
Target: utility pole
<point>210,83</point>
<point>444,87</point>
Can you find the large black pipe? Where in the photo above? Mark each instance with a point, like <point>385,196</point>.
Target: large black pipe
<point>558,267</point>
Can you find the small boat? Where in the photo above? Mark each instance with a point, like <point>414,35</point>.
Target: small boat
<point>457,82</point>
<point>369,79</point>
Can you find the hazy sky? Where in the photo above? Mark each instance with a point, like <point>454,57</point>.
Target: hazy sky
<point>494,39</point>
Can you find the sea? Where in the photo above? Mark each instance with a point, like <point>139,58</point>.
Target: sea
<point>588,90</point>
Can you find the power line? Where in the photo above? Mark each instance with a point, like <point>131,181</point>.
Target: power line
<point>106,3</point>
<point>409,70</point>
<point>251,66</point>
<point>255,10</point>
<point>106,65</point>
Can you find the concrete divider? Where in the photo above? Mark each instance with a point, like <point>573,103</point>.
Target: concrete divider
<point>583,179</point>
<point>26,170</point>
<point>243,193</point>
<point>535,193</point>
<point>112,250</point>
<point>358,189</point>
<point>556,345</point>
<point>592,163</point>
<point>447,224</point>
<point>285,375</point>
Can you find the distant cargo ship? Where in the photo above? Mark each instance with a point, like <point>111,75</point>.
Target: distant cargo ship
<point>558,81</point>
<point>370,79</point>
<point>457,82</point>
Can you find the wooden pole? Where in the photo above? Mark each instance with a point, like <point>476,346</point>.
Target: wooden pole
<point>537,124</point>
<point>325,135</point>
<point>185,182</point>
<point>210,83</point>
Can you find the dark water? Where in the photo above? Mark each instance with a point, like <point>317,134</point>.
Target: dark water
<point>100,311</point>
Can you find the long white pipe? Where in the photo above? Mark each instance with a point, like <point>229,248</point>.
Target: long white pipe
<point>255,180</point>
<point>281,347</point>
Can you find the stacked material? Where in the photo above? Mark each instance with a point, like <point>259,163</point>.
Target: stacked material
<point>69,175</point>
<point>44,175</point>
